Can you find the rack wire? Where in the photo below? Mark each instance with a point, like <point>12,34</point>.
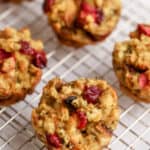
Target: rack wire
<point>133,131</point>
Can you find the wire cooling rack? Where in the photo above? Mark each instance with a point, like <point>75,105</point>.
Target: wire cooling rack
<point>133,131</point>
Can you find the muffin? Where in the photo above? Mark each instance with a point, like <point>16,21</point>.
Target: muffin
<point>82,22</point>
<point>21,61</point>
<point>131,60</point>
<point>79,115</point>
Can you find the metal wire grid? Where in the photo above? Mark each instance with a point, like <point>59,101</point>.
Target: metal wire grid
<point>133,131</point>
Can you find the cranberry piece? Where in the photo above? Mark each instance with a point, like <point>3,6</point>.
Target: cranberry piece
<point>99,16</point>
<point>87,9</point>
<point>91,94</point>
<point>145,29</point>
<point>26,48</point>
<point>82,120</point>
<point>143,80</point>
<point>40,59</point>
<point>47,5</point>
<point>4,54</point>
<point>53,140</point>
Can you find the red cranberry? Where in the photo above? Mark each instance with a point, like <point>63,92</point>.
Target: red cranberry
<point>87,9</point>
<point>143,80</point>
<point>91,94</point>
<point>4,54</point>
<point>53,140</point>
<point>40,59</point>
<point>26,48</point>
<point>82,120</point>
<point>145,29</point>
<point>99,16</point>
<point>47,5</point>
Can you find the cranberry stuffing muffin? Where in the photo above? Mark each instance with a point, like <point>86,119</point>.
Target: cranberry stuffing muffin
<point>79,115</point>
<point>21,61</point>
<point>131,61</point>
<point>81,22</point>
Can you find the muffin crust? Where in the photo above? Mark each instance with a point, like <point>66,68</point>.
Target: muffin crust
<point>82,22</point>
<point>21,60</point>
<point>131,61</point>
<point>79,115</point>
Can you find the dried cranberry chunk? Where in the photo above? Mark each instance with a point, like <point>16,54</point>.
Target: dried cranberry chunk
<point>4,54</point>
<point>47,5</point>
<point>91,94</point>
<point>26,48</point>
<point>53,140</point>
<point>99,16</point>
<point>82,120</point>
<point>87,9</point>
<point>40,59</point>
<point>143,80</point>
<point>145,29</point>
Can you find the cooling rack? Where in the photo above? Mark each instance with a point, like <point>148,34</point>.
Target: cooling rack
<point>133,131</point>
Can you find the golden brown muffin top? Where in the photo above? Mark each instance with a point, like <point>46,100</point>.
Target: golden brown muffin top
<point>77,115</point>
<point>21,60</point>
<point>132,61</point>
<point>89,19</point>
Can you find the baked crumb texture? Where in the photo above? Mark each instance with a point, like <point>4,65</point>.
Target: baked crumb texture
<point>21,60</point>
<point>79,115</point>
<point>81,22</point>
<point>131,61</point>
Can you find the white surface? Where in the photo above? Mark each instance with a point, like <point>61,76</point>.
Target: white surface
<point>133,131</point>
